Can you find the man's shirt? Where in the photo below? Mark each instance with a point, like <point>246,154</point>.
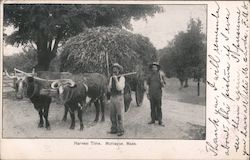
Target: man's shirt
<point>154,83</point>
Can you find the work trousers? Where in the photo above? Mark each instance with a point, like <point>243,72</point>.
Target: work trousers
<point>155,104</point>
<point>117,113</point>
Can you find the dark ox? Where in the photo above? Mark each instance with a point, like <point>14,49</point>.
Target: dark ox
<point>30,87</point>
<point>75,92</point>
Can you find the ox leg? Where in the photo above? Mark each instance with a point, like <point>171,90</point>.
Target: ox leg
<point>46,113</point>
<point>40,124</point>
<point>66,110</point>
<point>72,115</point>
<point>97,110</point>
<point>103,105</point>
<point>80,118</point>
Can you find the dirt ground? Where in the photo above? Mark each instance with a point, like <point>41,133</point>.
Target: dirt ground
<point>183,115</point>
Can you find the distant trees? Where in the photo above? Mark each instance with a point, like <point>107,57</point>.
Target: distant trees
<point>185,55</point>
<point>24,61</point>
<point>46,26</point>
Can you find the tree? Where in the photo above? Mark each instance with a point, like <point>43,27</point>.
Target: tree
<point>187,54</point>
<point>45,26</point>
<point>166,60</point>
<point>197,51</point>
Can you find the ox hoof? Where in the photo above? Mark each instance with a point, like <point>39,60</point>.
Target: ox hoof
<point>72,127</point>
<point>48,128</point>
<point>40,125</point>
<point>64,119</point>
<point>103,120</point>
<point>81,128</point>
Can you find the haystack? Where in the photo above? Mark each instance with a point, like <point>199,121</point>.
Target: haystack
<point>87,51</point>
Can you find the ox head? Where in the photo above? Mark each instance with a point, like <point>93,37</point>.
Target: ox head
<point>24,85</point>
<point>61,85</point>
<point>18,84</point>
<point>68,90</point>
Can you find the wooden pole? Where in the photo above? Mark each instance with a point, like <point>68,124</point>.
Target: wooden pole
<point>38,78</point>
<point>17,70</point>
<point>198,86</point>
<point>107,61</point>
<point>127,74</point>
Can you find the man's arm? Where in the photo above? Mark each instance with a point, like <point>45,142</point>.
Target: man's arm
<point>162,77</point>
<point>146,86</point>
<point>110,84</point>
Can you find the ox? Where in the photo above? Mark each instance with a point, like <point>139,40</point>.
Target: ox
<point>31,87</point>
<point>74,93</point>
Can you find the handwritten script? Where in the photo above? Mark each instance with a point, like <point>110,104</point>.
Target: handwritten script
<point>228,81</point>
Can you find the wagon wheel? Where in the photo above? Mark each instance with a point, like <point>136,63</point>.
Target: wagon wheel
<point>139,94</point>
<point>127,97</point>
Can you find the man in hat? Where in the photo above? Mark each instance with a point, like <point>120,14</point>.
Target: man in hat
<point>154,84</point>
<point>116,89</point>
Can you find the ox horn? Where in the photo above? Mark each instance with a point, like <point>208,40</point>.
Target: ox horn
<point>86,87</point>
<point>71,82</point>
<point>53,84</point>
<point>7,74</point>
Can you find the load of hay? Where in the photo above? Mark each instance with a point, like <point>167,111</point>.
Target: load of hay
<point>87,51</point>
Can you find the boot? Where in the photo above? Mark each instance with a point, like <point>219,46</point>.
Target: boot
<point>151,122</point>
<point>120,130</point>
<point>161,124</point>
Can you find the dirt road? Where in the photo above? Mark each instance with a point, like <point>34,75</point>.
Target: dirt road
<point>182,121</point>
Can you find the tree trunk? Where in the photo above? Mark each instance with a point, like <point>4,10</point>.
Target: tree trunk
<point>181,81</point>
<point>198,87</point>
<point>44,59</point>
<point>45,51</point>
<point>186,83</point>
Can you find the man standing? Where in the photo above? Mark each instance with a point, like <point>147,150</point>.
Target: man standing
<point>153,86</point>
<point>116,87</point>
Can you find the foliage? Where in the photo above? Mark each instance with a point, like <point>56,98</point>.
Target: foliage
<point>87,51</point>
<point>24,61</point>
<point>166,61</point>
<point>47,25</point>
<point>185,56</point>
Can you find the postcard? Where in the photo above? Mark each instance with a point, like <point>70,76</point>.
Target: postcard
<point>124,79</point>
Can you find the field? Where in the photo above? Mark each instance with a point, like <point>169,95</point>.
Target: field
<point>183,116</point>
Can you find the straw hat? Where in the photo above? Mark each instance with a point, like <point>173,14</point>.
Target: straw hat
<point>118,66</point>
<point>155,64</point>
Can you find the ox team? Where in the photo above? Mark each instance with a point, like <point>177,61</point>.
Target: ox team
<point>115,87</point>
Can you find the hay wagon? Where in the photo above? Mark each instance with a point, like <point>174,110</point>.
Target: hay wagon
<point>96,48</point>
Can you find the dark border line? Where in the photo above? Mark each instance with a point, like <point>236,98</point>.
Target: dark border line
<point>6,137</point>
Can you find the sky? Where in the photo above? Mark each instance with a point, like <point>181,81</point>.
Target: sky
<point>164,26</point>
<point>160,29</point>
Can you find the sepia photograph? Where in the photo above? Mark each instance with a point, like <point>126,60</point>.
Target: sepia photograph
<point>104,71</point>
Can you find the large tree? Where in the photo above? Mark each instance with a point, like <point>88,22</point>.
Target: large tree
<point>45,26</point>
<point>186,54</point>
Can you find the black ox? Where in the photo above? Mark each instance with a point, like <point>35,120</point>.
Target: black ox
<point>75,91</point>
<point>31,87</point>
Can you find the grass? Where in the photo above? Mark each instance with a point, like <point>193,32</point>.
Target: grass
<point>186,95</point>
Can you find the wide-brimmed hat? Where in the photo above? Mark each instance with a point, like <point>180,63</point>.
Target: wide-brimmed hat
<point>118,66</point>
<point>155,64</point>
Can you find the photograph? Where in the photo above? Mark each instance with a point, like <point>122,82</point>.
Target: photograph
<point>104,71</point>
